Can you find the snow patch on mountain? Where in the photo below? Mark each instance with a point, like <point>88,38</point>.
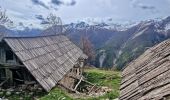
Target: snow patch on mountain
<point>139,33</point>
<point>100,25</point>
<point>167,27</point>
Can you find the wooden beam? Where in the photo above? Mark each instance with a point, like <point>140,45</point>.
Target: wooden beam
<point>20,76</point>
<point>78,83</point>
<point>82,80</point>
<point>30,82</point>
<point>74,77</point>
<point>98,88</point>
<point>88,82</point>
<point>18,80</point>
<point>9,66</point>
<point>2,83</point>
<point>91,89</point>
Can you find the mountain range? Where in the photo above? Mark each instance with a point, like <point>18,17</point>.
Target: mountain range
<point>115,44</point>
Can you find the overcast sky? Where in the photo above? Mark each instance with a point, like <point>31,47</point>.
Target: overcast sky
<point>30,11</point>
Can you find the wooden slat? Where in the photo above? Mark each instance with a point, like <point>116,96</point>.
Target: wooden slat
<point>48,58</point>
<point>148,76</point>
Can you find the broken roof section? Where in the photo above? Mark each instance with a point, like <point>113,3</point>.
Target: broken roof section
<point>48,58</point>
<point>148,77</point>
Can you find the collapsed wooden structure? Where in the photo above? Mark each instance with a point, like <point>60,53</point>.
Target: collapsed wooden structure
<point>148,77</point>
<point>47,60</point>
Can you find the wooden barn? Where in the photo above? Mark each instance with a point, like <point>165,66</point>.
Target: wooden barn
<point>148,77</point>
<point>45,60</point>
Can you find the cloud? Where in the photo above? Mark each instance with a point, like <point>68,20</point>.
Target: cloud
<point>44,22</point>
<point>39,17</point>
<point>119,10</point>
<point>133,1</point>
<point>67,3</point>
<point>147,7</point>
<point>38,2</point>
<point>54,4</point>
<point>20,24</point>
<point>73,2</point>
<point>42,19</point>
<point>57,2</point>
<point>138,4</point>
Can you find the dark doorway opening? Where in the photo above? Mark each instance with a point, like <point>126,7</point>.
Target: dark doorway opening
<point>9,55</point>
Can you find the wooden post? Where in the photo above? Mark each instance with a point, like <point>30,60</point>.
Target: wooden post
<point>78,71</point>
<point>81,64</point>
<point>78,83</point>
<point>9,76</point>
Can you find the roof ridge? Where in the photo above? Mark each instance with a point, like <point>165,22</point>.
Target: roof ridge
<point>6,37</point>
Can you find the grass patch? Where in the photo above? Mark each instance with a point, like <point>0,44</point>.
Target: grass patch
<point>56,94</point>
<point>110,79</point>
<point>99,77</point>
